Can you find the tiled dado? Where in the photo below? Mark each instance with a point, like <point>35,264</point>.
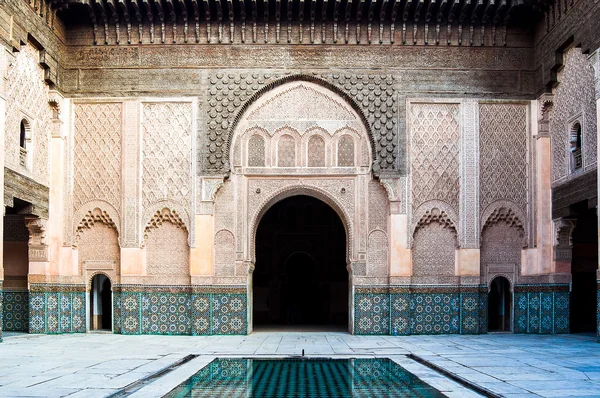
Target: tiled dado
<point>541,309</point>
<point>408,310</point>
<point>598,311</point>
<point>57,308</point>
<point>1,308</point>
<point>15,311</point>
<point>185,310</point>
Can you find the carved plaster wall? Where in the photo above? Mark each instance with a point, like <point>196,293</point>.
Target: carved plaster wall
<point>99,251</point>
<point>167,253</point>
<point>301,138</point>
<point>574,102</point>
<point>27,98</point>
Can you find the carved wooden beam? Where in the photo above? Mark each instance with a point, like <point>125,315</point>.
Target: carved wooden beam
<point>231,16</point>
<point>416,17</point>
<point>347,18</point>
<point>266,20</point>
<point>254,18</point>
<point>323,19</point>
<point>243,19</point>
<point>184,15</point>
<point>464,13</point>
<point>219,8</point>
<point>428,15</point>
<point>370,15</point>
<point>99,4</point>
<point>475,17</point>
<point>452,15</point>
<point>114,15</point>
<point>382,14</point>
<point>498,17</point>
<point>161,17</point>
<point>173,15</point>
<point>487,17</point>
<point>125,11</point>
<point>394,15</point>
<point>442,10</point>
<point>138,16</point>
<point>336,16</point>
<point>359,10</point>
<point>277,19</point>
<point>290,14</point>
<point>408,5</point>
<point>89,7</point>
<point>313,12</point>
<point>206,6</point>
<point>149,15</point>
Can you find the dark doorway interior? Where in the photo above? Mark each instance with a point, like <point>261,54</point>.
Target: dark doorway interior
<point>499,305</point>
<point>300,276</point>
<point>583,270</point>
<point>101,303</point>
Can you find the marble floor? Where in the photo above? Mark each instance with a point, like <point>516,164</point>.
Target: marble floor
<point>97,365</point>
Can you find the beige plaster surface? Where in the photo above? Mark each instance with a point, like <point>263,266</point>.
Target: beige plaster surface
<point>400,253</point>
<point>201,256</point>
<point>468,262</point>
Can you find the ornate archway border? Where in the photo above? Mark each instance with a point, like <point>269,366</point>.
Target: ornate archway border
<point>299,78</point>
<point>423,212</point>
<point>295,190</point>
<point>106,208</point>
<point>494,207</point>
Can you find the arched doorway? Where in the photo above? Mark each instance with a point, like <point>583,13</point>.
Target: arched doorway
<point>300,278</point>
<point>583,271</point>
<point>500,305</point>
<point>101,303</point>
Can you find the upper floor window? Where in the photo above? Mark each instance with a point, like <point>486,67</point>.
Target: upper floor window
<point>24,143</point>
<point>576,146</point>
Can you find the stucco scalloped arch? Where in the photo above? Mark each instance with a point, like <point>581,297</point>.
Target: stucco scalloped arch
<point>104,206</point>
<point>172,206</point>
<point>418,214</point>
<point>295,190</point>
<point>498,204</point>
<point>290,79</point>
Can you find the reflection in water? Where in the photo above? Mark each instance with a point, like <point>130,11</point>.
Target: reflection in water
<point>303,378</point>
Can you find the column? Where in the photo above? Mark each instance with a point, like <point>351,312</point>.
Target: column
<point>132,256</point>
<point>468,256</point>
<point>400,255</point>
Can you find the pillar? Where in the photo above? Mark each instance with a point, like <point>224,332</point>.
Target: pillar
<point>400,254</point>
<point>3,68</point>
<point>468,255</point>
<point>595,61</point>
<point>202,255</point>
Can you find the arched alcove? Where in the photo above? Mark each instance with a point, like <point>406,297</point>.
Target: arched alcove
<point>300,277</point>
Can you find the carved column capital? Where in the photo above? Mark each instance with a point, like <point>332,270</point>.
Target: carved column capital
<point>38,247</point>
<point>393,188</point>
<point>545,105</point>
<point>209,186</point>
<point>563,238</point>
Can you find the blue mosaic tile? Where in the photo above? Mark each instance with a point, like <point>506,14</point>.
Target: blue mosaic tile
<point>541,309</point>
<point>1,310</point>
<point>470,311</point>
<point>200,314</point>
<point>400,315</point>
<point>435,313</point>
<point>56,312</point>
<point>483,310</point>
<point>165,313</point>
<point>228,314</point>
<point>598,311</point>
<point>16,311</point>
<point>372,313</point>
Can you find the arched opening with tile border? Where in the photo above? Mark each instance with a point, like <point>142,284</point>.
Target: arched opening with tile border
<point>300,278</point>
<point>101,307</point>
<point>500,305</point>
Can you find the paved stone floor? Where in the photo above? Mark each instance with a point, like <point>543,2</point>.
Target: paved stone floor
<point>90,365</point>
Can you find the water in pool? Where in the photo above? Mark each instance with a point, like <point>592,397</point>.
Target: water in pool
<point>306,378</point>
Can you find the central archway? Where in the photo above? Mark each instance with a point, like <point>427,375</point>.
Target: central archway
<point>300,278</point>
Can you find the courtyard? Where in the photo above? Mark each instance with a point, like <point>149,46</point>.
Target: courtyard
<point>102,364</point>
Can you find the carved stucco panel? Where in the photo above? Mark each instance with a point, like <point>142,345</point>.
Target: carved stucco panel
<point>434,153</point>
<point>27,98</point>
<point>574,101</point>
<point>97,154</point>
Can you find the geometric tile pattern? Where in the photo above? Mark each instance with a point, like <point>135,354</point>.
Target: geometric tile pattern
<point>405,310</point>
<point>1,309</point>
<point>57,311</point>
<point>597,312</point>
<point>16,311</point>
<point>541,309</point>
<point>180,311</point>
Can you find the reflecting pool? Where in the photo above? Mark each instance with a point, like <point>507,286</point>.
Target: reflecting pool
<point>307,378</point>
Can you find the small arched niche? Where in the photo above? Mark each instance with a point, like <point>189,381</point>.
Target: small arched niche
<point>576,147</point>
<point>500,305</point>
<point>25,146</point>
